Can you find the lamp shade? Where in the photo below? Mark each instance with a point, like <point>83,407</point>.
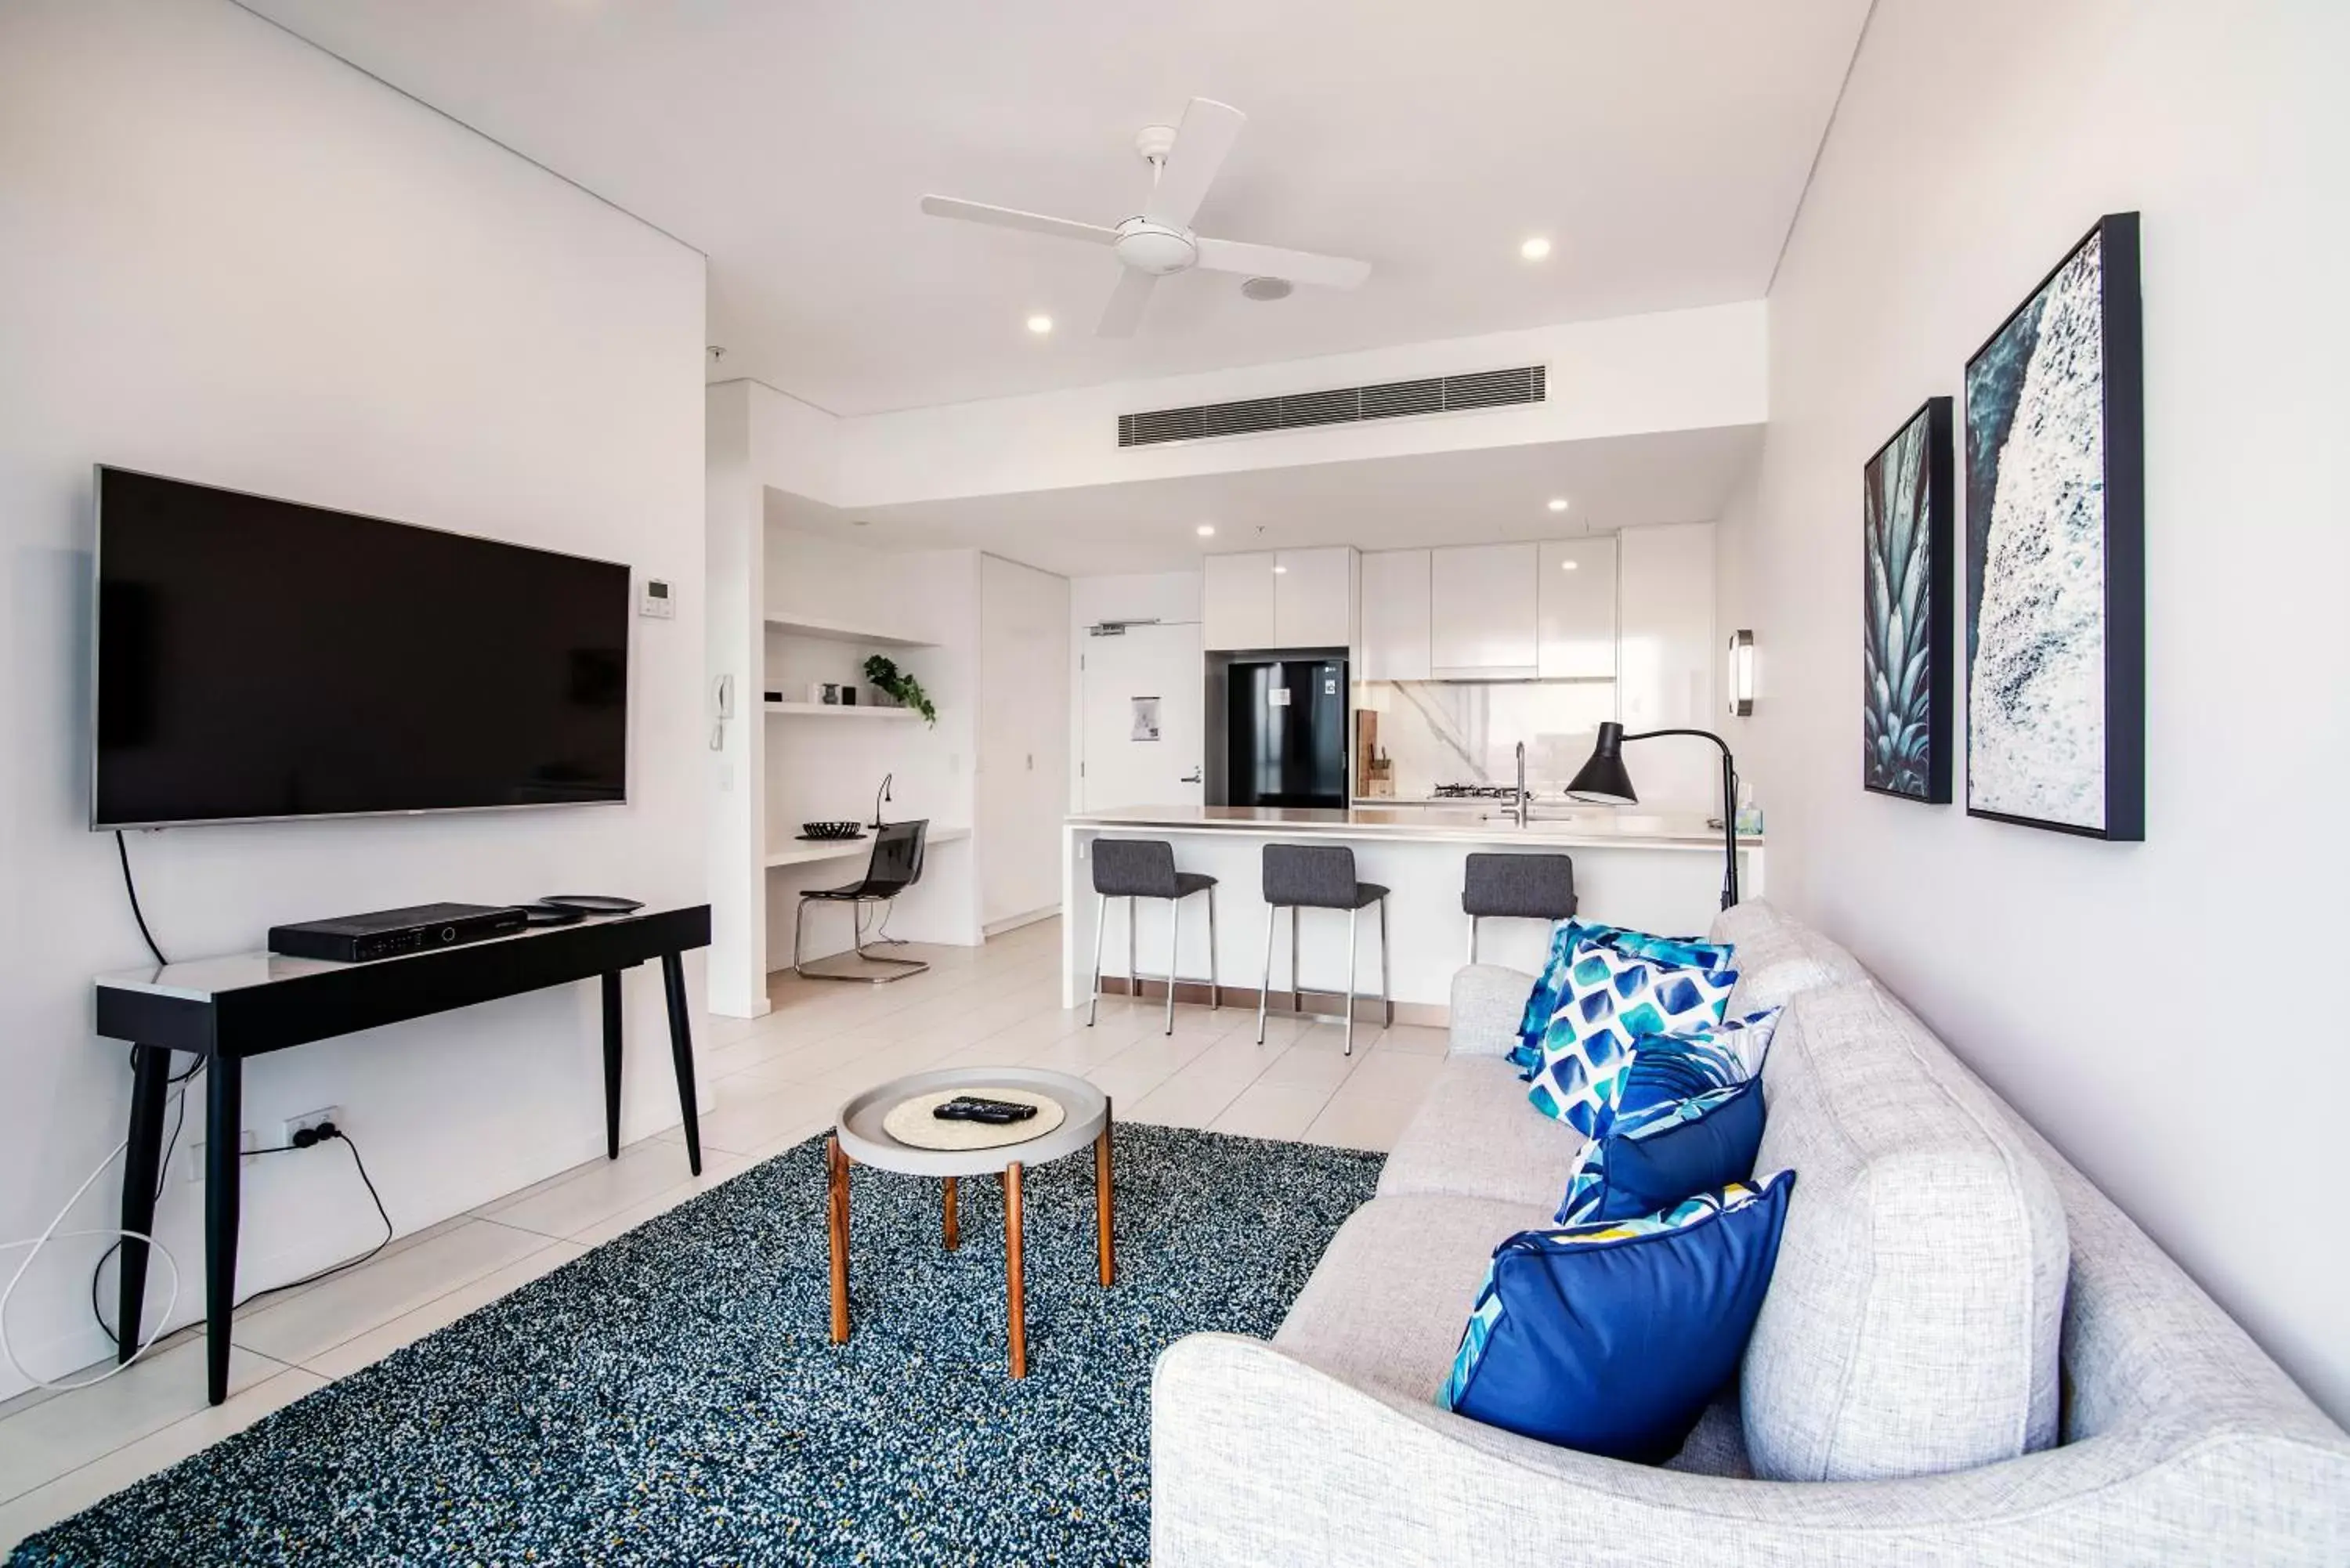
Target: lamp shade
<point>1603,781</point>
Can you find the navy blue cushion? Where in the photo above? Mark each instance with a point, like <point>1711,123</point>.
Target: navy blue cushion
<point>1648,1163</point>
<point>1613,1338</point>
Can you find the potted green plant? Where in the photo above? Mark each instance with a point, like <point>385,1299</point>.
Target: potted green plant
<point>900,686</point>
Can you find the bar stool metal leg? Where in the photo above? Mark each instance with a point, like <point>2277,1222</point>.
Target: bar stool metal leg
<point>1215,986</point>
<point>1472,938</point>
<point>1296,991</point>
<point>1133,974</point>
<point>1386,993</point>
<point>1174,925</point>
<point>1353,917</point>
<point>1264,988</point>
<point>1101,928</point>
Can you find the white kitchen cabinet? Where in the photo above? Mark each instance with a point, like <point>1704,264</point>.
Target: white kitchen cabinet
<point>1395,615</point>
<point>1574,593</point>
<point>1236,602</point>
<point>1670,662</point>
<point>1483,612</point>
<point>1314,597</point>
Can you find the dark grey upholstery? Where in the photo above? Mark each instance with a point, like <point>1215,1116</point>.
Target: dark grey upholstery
<point>1519,887</point>
<point>1136,868</point>
<point>1316,876</point>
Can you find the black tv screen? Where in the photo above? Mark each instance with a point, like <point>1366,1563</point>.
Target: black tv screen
<point>258,658</point>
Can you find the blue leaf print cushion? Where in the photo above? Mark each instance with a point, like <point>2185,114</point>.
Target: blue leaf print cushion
<point>1611,999</point>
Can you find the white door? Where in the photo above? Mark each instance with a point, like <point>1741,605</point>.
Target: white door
<point>1142,738</point>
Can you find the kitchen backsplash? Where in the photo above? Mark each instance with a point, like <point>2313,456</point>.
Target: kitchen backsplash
<point>1458,732</point>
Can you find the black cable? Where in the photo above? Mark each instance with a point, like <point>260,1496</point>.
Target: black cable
<point>122,850</point>
<point>360,1165</point>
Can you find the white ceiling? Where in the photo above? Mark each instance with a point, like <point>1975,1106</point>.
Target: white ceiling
<point>1480,496</point>
<point>1662,145</point>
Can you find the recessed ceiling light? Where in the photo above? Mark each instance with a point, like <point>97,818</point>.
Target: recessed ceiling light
<point>1558,503</point>
<point>1040,324</point>
<point>1278,571</point>
<point>1534,249</point>
<point>1568,565</point>
<point>1205,530</point>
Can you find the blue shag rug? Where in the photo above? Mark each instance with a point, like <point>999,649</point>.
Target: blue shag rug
<point>671,1396</point>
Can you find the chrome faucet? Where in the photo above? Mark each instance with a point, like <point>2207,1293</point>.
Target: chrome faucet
<point>1523,796</point>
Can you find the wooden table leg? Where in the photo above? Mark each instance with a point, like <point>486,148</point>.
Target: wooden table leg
<point>954,1229</point>
<point>1105,1219</point>
<point>1015,1306</point>
<point>837,1206</point>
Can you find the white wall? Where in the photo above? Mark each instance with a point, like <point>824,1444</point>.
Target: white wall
<point>1024,740</point>
<point>2165,1013</point>
<point>823,768</point>
<point>226,256</point>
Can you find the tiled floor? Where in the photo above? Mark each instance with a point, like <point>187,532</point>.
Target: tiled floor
<point>775,1081</point>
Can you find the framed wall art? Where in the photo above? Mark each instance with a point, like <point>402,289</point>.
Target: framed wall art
<point>1905,564</point>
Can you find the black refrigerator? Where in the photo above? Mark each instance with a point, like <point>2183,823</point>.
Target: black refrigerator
<point>1283,728</point>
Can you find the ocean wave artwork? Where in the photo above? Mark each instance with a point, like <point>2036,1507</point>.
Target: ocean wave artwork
<point>2037,536</point>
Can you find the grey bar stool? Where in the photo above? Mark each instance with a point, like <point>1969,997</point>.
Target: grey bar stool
<point>1131,869</point>
<point>1516,887</point>
<point>1318,877</point>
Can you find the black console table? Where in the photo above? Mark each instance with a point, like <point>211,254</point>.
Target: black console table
<point>229,1009</point>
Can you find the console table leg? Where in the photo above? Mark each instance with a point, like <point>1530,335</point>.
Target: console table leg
<point>1105,1204</point>
<point>223,1166</point>
<point>612,1064</point>
<point>835,1170</point>
<point>681,1050</point>
<point>953,1228</point>
<point>1015,1303</point>
<point>151,1074</point>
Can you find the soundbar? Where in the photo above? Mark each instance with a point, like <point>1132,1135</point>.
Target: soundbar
<point>388,933</point>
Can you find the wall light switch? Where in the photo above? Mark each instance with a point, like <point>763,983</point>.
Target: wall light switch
<point>656,600</point>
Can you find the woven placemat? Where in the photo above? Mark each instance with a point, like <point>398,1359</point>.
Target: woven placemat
<point>911,1124</point>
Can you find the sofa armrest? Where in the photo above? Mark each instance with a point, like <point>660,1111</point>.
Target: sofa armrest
<point>1257,1457</point>
<point>1489,1002</point>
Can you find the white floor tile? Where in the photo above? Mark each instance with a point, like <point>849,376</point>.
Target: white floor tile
<point>133,1459</point>
<point>594,1192</point>
<point>1271,1110</point>
<point>1181,1104</point>
<point>367,1349</point>
<point>1361,1121</point>
<point>349,1305</point>
<point>1401,1077</point>
<point>69,1430</point>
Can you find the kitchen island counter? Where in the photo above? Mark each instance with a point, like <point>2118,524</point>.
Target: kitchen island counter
<point>1651,871</point>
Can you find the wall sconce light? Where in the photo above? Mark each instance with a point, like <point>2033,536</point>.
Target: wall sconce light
<point>1741,682</point>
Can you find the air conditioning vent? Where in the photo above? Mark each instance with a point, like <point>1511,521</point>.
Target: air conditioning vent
<point>1344,405</point>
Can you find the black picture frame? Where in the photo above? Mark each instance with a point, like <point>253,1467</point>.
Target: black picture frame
<point>1907,595</point>
<point>2011,725</point>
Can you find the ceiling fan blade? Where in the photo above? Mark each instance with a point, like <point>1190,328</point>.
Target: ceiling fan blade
<point>1202,142</point>
<point>1012,218</point>
<point>1270,261</point>
<point>1126,302</point>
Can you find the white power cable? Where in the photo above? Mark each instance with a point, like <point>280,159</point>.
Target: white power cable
<point>8,1353</point>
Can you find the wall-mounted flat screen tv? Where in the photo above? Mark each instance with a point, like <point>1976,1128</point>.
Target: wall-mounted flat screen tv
<point>260,659</point>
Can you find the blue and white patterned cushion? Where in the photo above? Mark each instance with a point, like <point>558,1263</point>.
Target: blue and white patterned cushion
<point>1611,1339</point>
<point>1611,1001</point>
<point>1669,1068</point>
<point>1568,938</point>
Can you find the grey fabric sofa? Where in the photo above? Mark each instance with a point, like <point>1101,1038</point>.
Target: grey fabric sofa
<point>1969,1354</point>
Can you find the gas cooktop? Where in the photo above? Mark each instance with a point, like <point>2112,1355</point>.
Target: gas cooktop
<point>1475,792</point>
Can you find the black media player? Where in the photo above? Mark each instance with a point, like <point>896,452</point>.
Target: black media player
<point>388,933</point>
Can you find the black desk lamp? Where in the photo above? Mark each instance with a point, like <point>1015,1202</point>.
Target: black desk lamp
<point>1603,782</point>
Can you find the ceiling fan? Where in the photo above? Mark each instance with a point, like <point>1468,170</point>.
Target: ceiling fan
<point>1158,240</point>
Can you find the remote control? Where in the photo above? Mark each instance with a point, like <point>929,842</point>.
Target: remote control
<point>978,1108</point>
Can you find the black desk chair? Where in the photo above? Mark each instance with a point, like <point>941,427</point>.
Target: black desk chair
<point>1318,877</point>
<point>896,866</point>
<point>1131,869</point>
<point>1517,888</point>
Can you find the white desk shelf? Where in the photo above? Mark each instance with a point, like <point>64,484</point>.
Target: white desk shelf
<point>842,711</point>
<point>798,854</point>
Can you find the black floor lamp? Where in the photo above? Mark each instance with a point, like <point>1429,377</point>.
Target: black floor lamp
<point>1603,782</point>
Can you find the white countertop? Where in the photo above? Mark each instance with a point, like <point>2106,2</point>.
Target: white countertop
<point>1586,827</point>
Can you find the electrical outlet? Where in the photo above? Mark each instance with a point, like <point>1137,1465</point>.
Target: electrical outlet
<point>308,1120</point>
<point>246,1141</point>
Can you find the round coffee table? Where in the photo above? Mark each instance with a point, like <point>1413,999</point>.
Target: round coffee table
<point>861,1136</point>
